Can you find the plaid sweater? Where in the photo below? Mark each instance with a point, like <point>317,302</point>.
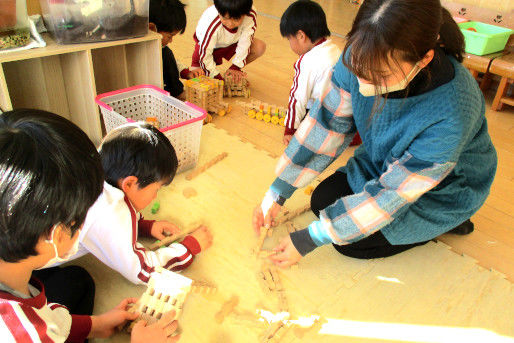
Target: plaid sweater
<point>426,164</point>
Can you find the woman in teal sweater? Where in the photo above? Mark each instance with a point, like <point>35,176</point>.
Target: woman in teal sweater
<point>427,162</point>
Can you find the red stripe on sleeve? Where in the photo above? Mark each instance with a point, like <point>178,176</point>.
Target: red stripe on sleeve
<point>38,323</point>
<point>13,323</point>
<point>179,259</point>
<point>206,42</point>
<point>138,251</point>
<point>292,99</point>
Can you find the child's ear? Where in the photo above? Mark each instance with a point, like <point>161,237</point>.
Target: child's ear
<point>426,59</point>
<point>128,184</point>
<point>61,234</point>
<point>152,27</point>
<point>300,35</point>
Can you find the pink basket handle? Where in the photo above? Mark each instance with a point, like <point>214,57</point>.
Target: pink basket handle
<point>99,97</point>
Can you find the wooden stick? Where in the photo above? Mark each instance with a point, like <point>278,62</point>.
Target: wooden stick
<point>266,253</point>
<point>226,309</point>
<point>292,215</point>
<point>290,227</point>
<point>170,239</point>
<point>207,165</point>
<point>262,237</point>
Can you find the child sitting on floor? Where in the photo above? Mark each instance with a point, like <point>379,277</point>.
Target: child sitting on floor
<point>226,30</point>
<point>51,174</point>
<point>137,160</point>
<point>304,24</point>
<point>168,18</point>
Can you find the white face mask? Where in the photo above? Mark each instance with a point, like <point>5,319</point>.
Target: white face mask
<point>368,89</point>
<point>74,249</point>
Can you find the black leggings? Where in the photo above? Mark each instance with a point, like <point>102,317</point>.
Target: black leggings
<point>374,246</point>
<point>70,286</point>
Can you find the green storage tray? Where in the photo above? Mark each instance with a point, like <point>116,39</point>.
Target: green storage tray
<point>486,40</point>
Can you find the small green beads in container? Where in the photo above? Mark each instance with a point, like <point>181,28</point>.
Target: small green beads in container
<point>14,38</point>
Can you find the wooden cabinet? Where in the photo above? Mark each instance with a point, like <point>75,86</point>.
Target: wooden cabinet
<point>65,79</point>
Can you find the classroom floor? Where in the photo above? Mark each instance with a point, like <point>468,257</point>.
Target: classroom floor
<point>429,294</point>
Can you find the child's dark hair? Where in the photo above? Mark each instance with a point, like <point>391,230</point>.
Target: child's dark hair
<point>234,8</point>
<point>139,150</point>
<point>401,29</point>
<point>50,174</point>
<point>168,15</point>
<point>307,16</point>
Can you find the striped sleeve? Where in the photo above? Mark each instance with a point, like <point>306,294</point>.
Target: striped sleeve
<point>22,323</point>
<point>249,26</point>
<point>113,240</point>
<point>322,136</point>
<point>207,42</point>
<point>299,96</point>
<point>357,216</point>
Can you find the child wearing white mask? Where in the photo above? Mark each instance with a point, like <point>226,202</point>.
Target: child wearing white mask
<point>50,175</point>
<point>427,161</point>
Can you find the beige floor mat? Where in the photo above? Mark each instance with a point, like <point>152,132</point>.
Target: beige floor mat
<point>428,294</point>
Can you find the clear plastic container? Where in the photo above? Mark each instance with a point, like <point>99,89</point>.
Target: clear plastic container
<point>14,24</point>
<point>81,21</point>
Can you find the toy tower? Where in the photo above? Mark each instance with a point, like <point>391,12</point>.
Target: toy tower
<point>206,93</point>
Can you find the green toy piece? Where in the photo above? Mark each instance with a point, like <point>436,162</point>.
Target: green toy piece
<point>155,207</point>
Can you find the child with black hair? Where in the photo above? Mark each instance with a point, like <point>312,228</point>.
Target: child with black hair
<point>137,160</point>
<point>50,175</point>
<point>168,18</point>
<point>226,30</point>
<point>304,24</point>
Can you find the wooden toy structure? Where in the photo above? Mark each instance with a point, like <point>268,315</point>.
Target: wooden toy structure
<point>166,292</point>
<point>206,93</point>
<point>259,110</point>
<point>233,88</point>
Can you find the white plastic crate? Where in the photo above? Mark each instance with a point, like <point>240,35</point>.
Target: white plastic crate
<point>181,122</point>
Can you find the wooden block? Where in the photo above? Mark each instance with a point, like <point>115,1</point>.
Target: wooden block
<point>189,192</point>
<point>170,239</point>
<point>292,215</point>
<point>266,253</point>
<point>166,292</point>
<point>207,165</point>
<point>226,309</point>
<point>290,227</point>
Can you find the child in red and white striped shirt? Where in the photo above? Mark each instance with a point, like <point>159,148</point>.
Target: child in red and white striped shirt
<point>226,30</point>
<point>50,175</point>
<point>304,24</point>
<point>137,160</point>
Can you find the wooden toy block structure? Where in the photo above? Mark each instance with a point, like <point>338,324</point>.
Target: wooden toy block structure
<point>166,291</point>
<point>268,113</point>
<point>233,88</point>
<point>206,93</point>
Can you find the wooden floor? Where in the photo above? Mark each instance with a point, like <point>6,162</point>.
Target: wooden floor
<point>492,243</point>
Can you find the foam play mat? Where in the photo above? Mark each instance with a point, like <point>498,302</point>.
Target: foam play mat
<point>427,294</point>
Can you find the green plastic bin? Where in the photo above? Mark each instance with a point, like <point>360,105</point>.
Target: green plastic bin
<point>486,40</point>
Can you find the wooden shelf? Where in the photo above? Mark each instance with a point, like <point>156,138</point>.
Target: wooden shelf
<point>65,79</point>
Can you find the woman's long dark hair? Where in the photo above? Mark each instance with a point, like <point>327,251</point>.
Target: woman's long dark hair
<point>393,30</point>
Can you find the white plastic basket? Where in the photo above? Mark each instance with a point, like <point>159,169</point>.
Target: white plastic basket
<point>181,122</point>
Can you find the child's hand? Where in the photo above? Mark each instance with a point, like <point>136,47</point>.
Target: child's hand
<point>158,332</point>
<point>162,229</point>
<point>203,236</point>
<point>259,221</point>
<point>195,73</point>
<point>105,325</point>
<point>237,75</point>
<point>286,255</point>
<point>287,139</point>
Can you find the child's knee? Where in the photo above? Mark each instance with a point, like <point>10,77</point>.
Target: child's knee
<point>259,47</point>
